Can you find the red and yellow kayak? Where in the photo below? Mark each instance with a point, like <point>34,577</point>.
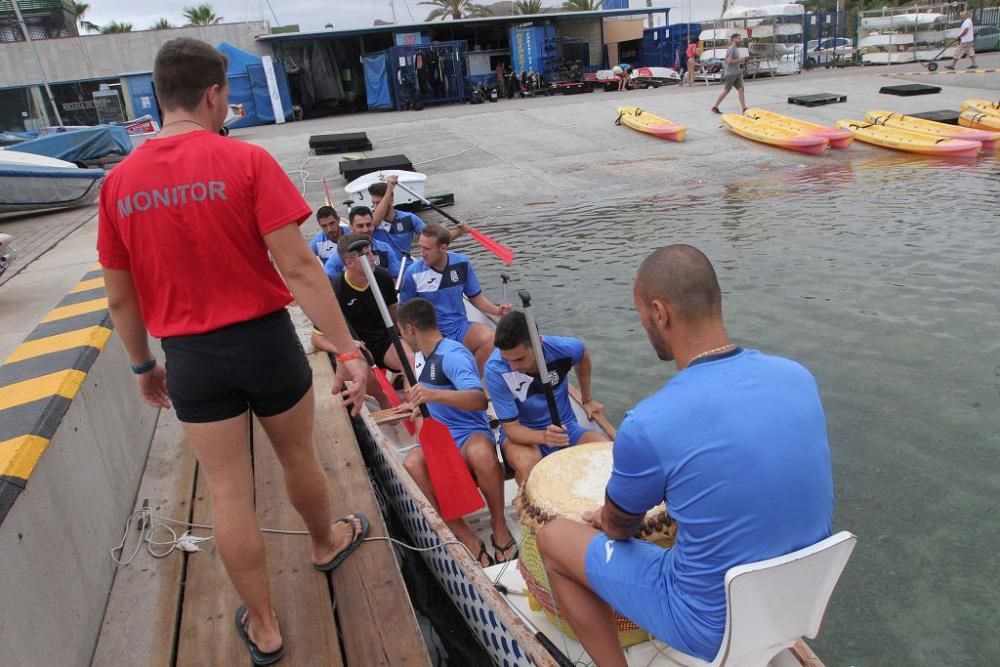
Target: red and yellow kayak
<point>978,120</point>
<point>643,121</point>
<point>933,128</point>
<point>910,142</point>
<point>837,137</point>
<point>774,135</point>
<point>982,106</point>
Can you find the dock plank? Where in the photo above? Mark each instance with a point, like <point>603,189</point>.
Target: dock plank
<point>377,623</point>
<point>140,622</point>
<point>301,596</point>
<point>207,630</point>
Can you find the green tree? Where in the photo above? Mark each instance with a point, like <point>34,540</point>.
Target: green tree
<point>528,6</point>
<point>202,14</point>
<point>455,9</point>
<point>80,9</point>
<point>582,5</point>
<point>162,24</point>
<point>115,27</point>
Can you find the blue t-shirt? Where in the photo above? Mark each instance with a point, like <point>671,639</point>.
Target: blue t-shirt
<point>384,254</point>
<point>451,366</point>
<point>323,247</point>
<point>400,231</point>
<point>443,289</point>
<point>737,448</point>
<point>521,397</point>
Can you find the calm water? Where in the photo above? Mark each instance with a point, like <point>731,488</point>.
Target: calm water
<point>880,276</point>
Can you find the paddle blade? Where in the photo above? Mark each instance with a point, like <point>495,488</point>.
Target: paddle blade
<point>456,493</point>
<point>390,393</point>
<point>503,253</point>
<point>326,188</point>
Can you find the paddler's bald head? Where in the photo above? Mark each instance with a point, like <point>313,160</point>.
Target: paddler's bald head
<point>682,276</point>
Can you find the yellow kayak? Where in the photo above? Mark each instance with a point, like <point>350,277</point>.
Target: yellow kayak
<point>838,138</point>
<point>982,106</point>
<point>911,142</point>
<point>774,135</point>
<point>914,124</point>
<point>643,121</point>
<point>980,121</point>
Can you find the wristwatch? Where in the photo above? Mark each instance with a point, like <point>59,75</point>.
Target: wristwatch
<point>144,367</point>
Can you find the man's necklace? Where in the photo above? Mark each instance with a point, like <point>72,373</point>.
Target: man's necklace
<point>714,350</point>
<point>182,120</point>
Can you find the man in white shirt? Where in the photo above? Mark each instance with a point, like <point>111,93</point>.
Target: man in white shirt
<point>966,42</point>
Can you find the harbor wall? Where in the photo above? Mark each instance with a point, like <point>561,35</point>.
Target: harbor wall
<point>74,436</point>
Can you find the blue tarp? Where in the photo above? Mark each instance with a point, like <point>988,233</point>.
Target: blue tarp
<point>248,86</point>
<point>377,86</point>
<point>79,145</point>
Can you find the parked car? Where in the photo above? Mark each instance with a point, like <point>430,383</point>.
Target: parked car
<point>987,38</point>
<point>826,51</point>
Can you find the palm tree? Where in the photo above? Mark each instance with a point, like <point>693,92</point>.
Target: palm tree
<point>115,27</point>
<point>528,6</point>
<point>162,24</point>
<point>455,9</point>
<point>201,15</point>
<point>80,10</point>
<point>582,5</point>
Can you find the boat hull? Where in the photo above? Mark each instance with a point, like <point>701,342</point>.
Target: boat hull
<point>836,137</point>
<point>933,128</point>
<point>773,135</point>
<point>30,188</point>
<point>643,121</point>
<point>909,142</point>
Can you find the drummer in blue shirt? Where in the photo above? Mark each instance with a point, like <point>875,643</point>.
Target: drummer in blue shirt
<point>395,227</point>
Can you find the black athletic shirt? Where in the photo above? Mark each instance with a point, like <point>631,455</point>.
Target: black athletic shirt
<point>361,310</point>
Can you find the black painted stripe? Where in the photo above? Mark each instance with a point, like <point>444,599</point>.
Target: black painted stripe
<point>41,417</point>
<point>80,297</point>
<point>90,275</point>
<point>82,321</point>
<point>10,489</point>
<point>77,358</point>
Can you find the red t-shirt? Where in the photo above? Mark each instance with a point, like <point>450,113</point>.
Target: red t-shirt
<point>692,50</point>
<point>187,215</point>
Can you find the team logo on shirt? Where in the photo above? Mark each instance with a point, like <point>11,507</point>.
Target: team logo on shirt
<point>427,281</point>
<point>352,302</point>
<point>519,384</point>
<point>609,550</point>
<point>418,363</point>
<point>554,378</point>
<point>454,276</point>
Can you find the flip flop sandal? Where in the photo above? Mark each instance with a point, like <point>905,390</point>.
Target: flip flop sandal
<point>502,550</point>
<point>357,541</point>
<point>256,655</point>
<point>484,552</point>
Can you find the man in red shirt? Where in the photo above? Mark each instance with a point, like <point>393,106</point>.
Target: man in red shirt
<point>186,225</point>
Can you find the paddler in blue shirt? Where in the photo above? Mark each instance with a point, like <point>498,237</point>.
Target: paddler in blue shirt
<point>511,375</point>
<point>395,227</point>
<point>735,444</point>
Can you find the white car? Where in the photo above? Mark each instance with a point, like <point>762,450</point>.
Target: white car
<point>825,51</point>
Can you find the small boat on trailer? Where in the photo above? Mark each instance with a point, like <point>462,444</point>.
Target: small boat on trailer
<point>30,182</point>
<point>492,600</point>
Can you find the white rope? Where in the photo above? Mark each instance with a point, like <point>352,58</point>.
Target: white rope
<point>149,523</point>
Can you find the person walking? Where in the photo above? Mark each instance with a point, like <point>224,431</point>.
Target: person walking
<point>186,225</point>
<point>732,74</point>
<point>966,42</point>
<point>692,59</point>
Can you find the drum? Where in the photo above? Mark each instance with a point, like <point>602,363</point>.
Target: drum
<point>564,485</point>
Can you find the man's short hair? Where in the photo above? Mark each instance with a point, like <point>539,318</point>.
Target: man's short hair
<point>326,212</point>
<point>378,189</point>
<point>512,331</point>
<point>735,34</point>
<point>358,211</point>
<point>344,243</point>
<point>183,69</point>
<point>433,230</point>
<point>682,276</point>
<point>418,313</point>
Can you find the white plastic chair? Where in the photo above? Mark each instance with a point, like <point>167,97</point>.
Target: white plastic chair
<point>773,603</point>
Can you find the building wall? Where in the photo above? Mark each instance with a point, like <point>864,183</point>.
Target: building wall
<point>622,30</point>
<point>589,30</point>
<point>103,56</point>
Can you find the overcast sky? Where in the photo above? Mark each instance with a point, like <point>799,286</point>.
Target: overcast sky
<point>314,14</point>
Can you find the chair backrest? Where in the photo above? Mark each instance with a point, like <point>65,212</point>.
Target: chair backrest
<point>773,603</point>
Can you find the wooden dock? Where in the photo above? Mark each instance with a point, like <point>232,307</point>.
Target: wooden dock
<point>179,610</point>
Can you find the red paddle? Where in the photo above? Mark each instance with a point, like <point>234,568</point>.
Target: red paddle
<point>456,492</point>
<point>390,393</point>
<point>502,252</point>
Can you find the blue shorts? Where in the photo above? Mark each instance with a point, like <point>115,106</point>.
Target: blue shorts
<point>628,575</point>
<point>574,430</point>
<point>457,334</point>
<point>461,437</point>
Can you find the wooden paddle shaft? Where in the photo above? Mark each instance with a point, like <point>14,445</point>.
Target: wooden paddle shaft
<point>390,326</point>
<point>536,346</point>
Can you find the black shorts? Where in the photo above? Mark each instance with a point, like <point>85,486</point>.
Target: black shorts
<point>257,365</point>
<point>378,348</point>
